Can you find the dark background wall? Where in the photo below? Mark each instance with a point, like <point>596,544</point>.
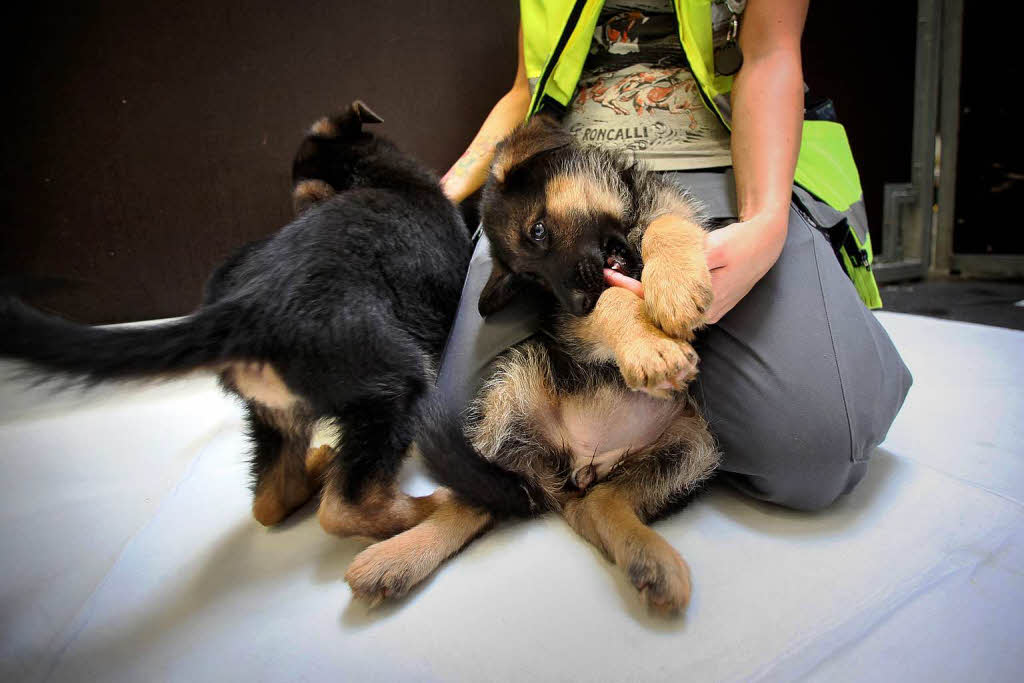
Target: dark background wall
<point>990,164</point>
<point>143,141</point>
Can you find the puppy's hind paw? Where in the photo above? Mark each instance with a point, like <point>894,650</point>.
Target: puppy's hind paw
<point>662,577</point>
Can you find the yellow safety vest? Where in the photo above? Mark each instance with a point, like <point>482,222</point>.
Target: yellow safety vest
<point>556,42</point>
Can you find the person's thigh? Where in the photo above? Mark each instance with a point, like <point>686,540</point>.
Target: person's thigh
<point>799,381</point>
<point>474,341</point>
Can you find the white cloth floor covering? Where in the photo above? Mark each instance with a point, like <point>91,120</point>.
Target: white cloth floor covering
<point>128,553</point>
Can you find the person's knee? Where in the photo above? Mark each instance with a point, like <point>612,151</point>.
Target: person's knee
<point>799,460</point>
<point>806,446</point>
<point>820,486</point>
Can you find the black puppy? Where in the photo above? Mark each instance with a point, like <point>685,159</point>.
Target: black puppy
<point>337,321</point>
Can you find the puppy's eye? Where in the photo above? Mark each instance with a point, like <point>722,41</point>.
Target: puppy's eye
<point>538,233</point>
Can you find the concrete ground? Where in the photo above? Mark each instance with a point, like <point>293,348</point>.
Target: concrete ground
<point>988,302</point>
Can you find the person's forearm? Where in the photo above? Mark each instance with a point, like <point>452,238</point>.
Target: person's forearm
<point>767,104</point>
<point>470,171</point>
<point>767,119</point>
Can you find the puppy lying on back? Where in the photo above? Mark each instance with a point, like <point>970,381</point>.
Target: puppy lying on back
<point>336,320</point>
<point>592,414</point>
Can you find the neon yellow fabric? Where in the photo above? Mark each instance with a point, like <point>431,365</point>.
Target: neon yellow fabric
<point>863,278</point>
<point>549,19</point>
<point>542,25</point>
<point>825,165</point>
<point>694,18</point>
<point>563,81</point>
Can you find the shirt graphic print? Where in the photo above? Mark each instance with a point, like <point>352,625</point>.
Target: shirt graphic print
<point>637,95</point>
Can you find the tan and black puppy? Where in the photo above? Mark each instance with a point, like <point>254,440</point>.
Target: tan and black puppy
<point>591,416</point>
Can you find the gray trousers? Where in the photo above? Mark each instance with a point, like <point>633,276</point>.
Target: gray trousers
<point>799,381</point>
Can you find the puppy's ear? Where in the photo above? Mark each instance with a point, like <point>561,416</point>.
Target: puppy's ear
<point>540,134</point>
<point>348,123</point>
<point>501,287</point>
<point>364,113</point>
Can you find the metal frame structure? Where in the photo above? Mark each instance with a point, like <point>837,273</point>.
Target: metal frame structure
<point>907,229</point>
<point>949,134</point>
<point>919,216</point>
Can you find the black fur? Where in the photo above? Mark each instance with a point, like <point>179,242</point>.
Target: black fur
<point>94,354</point>
<point>453,461</point>
<point>350,303</point>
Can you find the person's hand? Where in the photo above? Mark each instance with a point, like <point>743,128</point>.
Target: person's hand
<point>738,256</point>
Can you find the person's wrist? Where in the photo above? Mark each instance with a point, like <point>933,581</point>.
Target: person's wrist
<point>768,230</point>
<point>769,215</point>
<point>770,223</point>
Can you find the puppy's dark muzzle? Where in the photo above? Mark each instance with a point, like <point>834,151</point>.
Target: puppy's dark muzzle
<point>590,273</point>
<point>589,284</point>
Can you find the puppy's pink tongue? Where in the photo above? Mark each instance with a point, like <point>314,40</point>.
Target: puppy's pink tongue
<point>616,279</point>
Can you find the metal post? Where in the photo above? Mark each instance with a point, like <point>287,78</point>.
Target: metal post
<point>917,231</point>
<point>949,132</point>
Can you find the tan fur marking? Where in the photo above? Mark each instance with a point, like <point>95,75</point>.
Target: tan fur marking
<point>325,128</point>
<point>382,512</point>
<point>309,192</point>
<point>519,392</point>
<point>619,328</point>
<point>607,518</point>
<point>521,389</point>
<point>677,282</point>
<point>260,382</point>
<point>293,423</point>
<point>669,200</point>
<point>569,195</point>
<point>317,460</point>
<point>525,143</point>
<point>390,568</point>
<point>280,491</point>
<point>652,490</point>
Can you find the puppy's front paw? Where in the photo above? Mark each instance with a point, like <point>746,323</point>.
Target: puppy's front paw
<point>657,365</point>
<point>387,570</point>
<point>677,299</point>
<point>661,575</point>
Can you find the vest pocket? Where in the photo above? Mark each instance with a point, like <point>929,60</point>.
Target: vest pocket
<point>847,232</point>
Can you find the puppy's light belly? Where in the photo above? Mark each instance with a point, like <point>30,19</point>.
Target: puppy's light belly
<point>599,429</point>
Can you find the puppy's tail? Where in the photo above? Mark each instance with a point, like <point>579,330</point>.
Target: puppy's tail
<point>453,461</point>
<point>88,355</point>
